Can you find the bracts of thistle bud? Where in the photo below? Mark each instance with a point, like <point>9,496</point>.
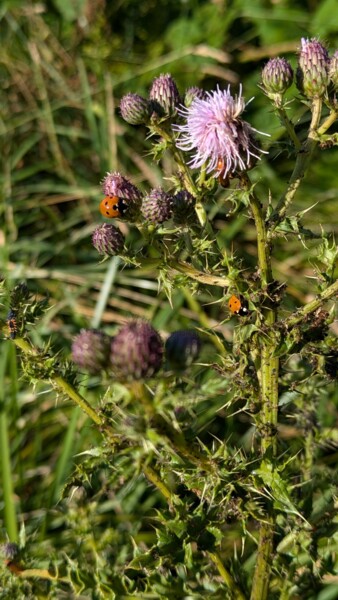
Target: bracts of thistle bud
<point>165,94</point>
<point>157,206</point>
<point>118,186</point>
<point>108,240</point>
<point>136,352</point>
<point>192,93</point>
<point>182,348</point>
<point>312,76</point>
<point>135,109</point>
<point>333,70</point>
<point>277,77</point>
<point>91,350</point>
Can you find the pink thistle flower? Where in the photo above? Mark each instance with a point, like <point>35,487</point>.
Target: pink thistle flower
<point>214,130</point>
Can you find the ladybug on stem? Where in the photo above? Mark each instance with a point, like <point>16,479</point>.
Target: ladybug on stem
<point>113,207</point>
<point>237,306</point>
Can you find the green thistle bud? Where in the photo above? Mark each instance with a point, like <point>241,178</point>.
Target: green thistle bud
<point>90,350</point>
<point>157,206</point>
<point>135,109</point>
<point>164,92</point>
<point>107,239</point>
<point>277,76</point>
<point>312,77</point>
<point>192,93</point>
<point>136,352</point>
<point>184,208</point>
<point>333,70</point>
<point>182,348</point>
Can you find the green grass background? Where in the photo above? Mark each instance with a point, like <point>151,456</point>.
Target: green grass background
<point>64,65</point>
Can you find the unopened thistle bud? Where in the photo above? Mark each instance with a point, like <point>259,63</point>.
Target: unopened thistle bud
<point>333,70</point>
<point>312,77</point>
<point>108,240</point>
<point>90,350</point>
<point>277,76</point>
<point>164,92</point>
<point>157,206</point>
<point>136,352</point>
<point>184,208</point>
<point>116,186</point>
<point>9,550</point>
<point>182,348</point>
<point>135,109</point>
<point>192,93</point>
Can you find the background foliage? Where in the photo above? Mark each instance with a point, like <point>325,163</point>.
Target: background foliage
<point>64,66</point>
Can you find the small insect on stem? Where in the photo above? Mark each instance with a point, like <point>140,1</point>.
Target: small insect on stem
<point>237,306</point>
<point>11,324</point>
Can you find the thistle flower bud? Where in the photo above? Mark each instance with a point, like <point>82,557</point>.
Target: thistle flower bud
<point>9,550</point>
<point>333,70</point>
<point>136,352</point>
<point>277,76</point>
<point>114,184</point>
<point>134,109</point>
<point>165,93</point>
<point>183,207</point>
<point>192,93</point>
<point>182,348</point>
<point>157,206</point>
<point>107,239</point>
<point>90,350</point>
<point>117,186</point>
<point>312,77</point>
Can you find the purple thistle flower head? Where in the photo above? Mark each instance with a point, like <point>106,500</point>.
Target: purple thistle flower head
<point>214,130</point>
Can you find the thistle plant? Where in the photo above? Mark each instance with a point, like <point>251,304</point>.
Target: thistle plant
<point>241,516</point>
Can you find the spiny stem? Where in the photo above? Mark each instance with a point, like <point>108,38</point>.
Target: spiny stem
<point>234,590</point>
<point>289,127</point>
<point>302,162</point>
<point>310,307</point>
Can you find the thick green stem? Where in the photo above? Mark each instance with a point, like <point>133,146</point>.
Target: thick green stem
<point>260,584</point>
<point>269,398</point>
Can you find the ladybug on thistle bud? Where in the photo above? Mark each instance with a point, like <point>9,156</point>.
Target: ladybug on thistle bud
<point>113,207</point>
<point>237,306</point>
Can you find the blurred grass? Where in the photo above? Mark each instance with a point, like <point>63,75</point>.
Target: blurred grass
<point>64,67</point>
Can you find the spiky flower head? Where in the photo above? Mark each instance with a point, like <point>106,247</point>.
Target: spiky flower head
<point>108,240</point>
<point>164,92</point>
<point>182,348</point>
<point>277,76</point>
<point>184,208</point>
<point>117,186</point>
<point>192,93</point>
<point>136,352</point>
<point>157,206</point>
<point>312,76</point>
<point>215,132</point>
<point>90,350</point>
<point>333,70</point>
<point>135,109</point>
<point>9,550</point>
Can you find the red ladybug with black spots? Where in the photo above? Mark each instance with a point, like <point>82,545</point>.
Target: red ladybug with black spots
<point>237,306</point>
<point>113,207</point>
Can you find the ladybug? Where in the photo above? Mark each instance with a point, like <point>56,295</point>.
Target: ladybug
<point>223,177</point>
<point>112,207</point>
<point>237,306</point>
<point>11,324</point>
